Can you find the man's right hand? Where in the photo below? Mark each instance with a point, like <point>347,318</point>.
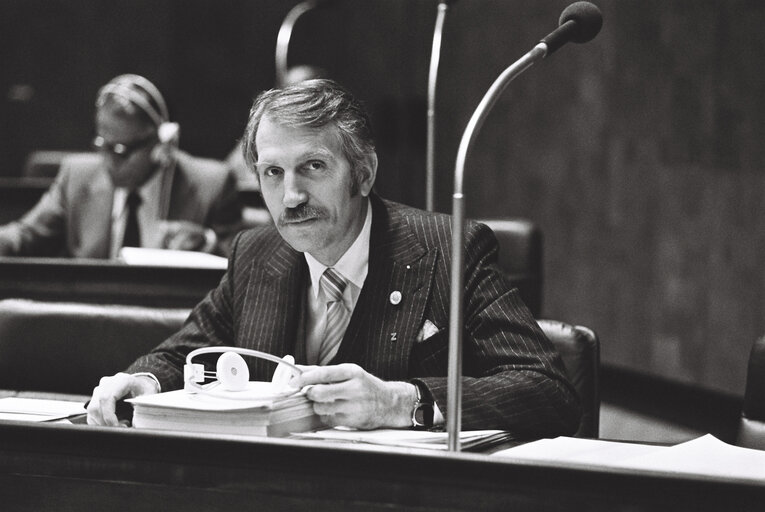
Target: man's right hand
<point>102,406</point>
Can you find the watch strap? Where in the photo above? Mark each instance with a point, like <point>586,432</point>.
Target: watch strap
<point>422,412</point>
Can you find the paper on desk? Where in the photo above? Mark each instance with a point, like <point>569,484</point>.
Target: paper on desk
<point>396,437</point>
<point>704,456</point>
<point>577,450</point>
<point>707,456</point>
<point>38,409</point>
<point>171,258</point>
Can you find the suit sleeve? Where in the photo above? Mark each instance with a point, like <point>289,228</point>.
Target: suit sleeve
<point>42,230</point>
<point>513,377</point>
<point>209,324</point>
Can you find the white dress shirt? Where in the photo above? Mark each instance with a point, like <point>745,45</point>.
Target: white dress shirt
<point>148,214</point>
<point>353,266</point>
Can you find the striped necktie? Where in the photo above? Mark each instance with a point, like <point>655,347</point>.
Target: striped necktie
<point>333,284</point>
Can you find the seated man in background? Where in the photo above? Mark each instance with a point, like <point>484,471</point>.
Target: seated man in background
<point>138,190</point>
<point>357,288</point>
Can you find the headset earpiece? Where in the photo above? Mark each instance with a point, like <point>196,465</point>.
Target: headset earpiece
<point>164,152</point>
<point>232,371</point>
<point>169,133</point>
<point>283,374</point>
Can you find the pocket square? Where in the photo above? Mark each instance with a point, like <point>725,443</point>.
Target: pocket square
<point>428,330</point>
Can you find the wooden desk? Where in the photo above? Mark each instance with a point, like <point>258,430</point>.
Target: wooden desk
<point>78,467</point>
<point>104,281</point>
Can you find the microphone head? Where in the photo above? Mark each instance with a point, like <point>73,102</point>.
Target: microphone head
<point>588,20</point>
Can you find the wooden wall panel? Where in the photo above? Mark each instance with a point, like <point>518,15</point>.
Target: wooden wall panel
<point>639,154</point>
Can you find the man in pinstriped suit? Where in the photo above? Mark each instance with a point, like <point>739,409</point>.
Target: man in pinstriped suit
<point>312,150</point>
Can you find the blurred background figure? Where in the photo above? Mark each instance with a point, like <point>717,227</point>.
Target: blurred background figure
<point>138,189</point>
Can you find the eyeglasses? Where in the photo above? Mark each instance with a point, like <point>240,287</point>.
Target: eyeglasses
<point>119,149</point>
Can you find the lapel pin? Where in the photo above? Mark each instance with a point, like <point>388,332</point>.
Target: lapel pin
<point>393,337</point>
<point>395,298</point>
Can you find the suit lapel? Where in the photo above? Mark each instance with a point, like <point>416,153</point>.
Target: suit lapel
<point>391,306</point>
<point>274,300</point>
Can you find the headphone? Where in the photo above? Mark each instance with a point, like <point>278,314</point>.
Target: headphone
<point>129,88</point>
<point>233,375</point>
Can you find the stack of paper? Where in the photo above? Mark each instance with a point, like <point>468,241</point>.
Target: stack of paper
<point>192,412</point>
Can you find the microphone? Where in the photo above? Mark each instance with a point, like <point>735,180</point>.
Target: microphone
<point>579,23</point>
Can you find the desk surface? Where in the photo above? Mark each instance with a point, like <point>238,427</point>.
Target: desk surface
<point>105,281</point>
<point>79,467</point>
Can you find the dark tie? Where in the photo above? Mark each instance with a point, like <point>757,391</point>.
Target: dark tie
<point>132,236</point>
<point>333,284</point>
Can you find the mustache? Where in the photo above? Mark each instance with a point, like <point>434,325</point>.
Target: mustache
<point>300,213</point>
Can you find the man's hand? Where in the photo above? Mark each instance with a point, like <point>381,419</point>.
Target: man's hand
<point>183,235</point>
<point>347,395</point>
<point>101,409</point>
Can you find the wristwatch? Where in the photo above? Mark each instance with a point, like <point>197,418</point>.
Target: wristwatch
<point>422,413</point>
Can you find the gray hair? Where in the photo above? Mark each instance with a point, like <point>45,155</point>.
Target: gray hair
<point>314,104</point>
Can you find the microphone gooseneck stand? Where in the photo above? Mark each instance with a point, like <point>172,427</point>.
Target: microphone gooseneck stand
<point>430,155</point>
<point>579,22</point>
<point>454,383</point>
<point>285,34</point>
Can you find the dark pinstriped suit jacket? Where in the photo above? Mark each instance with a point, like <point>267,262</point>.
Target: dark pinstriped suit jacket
<point>513,377</point>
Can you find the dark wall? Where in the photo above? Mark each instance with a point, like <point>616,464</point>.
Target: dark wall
<point>639,154</point>
<point>208,58</point>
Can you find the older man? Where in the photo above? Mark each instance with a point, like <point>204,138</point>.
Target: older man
<point>138,189</point>
<point>357,288</point>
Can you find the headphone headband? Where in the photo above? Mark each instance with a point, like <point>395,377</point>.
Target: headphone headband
<point>125,87</point>
<point>233,374</point>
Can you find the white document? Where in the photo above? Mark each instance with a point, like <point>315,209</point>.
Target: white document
<point>171,258</point>
<point>398,437</point>
<point>704,456</point>
<point>37,409</point>
<point>577,450</point>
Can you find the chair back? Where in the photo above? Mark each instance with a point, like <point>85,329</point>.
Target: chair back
<point>580,349</point>
<point>751,432</point>
<point>67,347</point>
<point>520,257</point>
